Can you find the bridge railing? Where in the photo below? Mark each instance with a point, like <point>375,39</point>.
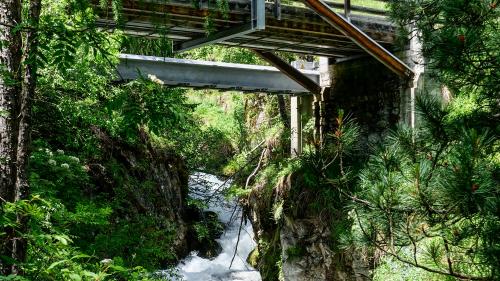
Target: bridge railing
<point>363,8</point>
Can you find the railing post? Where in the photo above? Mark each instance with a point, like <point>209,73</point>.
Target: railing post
<point>347,9</point>
<point>296,125</point>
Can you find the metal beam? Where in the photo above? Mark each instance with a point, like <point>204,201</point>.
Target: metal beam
<point>214,75</point>
<point>257,22</point>
<point>214,38</point>
<point>360,38</point>
<point>312,86</point>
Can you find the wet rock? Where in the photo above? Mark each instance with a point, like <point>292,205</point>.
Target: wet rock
<point>317,260</point>
<point>204,229</point>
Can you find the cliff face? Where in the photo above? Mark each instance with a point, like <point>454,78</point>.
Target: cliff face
<point>296,242</point>
<point>147,181</point>
<point>316,260</point>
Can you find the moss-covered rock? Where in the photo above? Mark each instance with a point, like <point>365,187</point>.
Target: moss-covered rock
<point>148,187</point>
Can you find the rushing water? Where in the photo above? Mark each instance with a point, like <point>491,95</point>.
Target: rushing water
<point>195,268</point>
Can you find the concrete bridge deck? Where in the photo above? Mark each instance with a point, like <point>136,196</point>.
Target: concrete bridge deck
<point>212,75</point>
<point>289,26</point>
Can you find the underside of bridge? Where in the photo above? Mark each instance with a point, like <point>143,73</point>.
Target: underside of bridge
<point>295,28</point>
<point>312,27</point>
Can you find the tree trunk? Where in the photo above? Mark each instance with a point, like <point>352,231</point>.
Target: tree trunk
<point>10,89</point>
<point>17,87</point>
<point>24,121</point>
<point>282,109</point>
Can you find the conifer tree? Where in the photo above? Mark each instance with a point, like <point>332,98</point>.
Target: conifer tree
<point>430,196</point>
<point>460,41</point>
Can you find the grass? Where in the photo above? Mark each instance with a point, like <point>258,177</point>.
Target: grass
<point>369,3</point>
<point>375,4</point>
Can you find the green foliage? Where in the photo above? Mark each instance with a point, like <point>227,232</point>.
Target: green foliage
<point>55,171</point>
<point>71,101</point>
<point>142,240</point>
<point>236,191</point>
<point>296,251</point>
<point>433,191</point>
<point>391,269</point>
<point>144,103</point>
<point>202,231</point>
<point>278,211</point>
<point>208,228</point>
<point>270,260</point>
<point>223,54</point>
<point>430,195</point>
<point>460,40</point>
<point>82,229</point>
<point>160,47</point>
<point>196,203</point>
<point>65,26</point>
<point>51,253</point>
<point>75,93</point>
<point>329,169</point>
<point>314,185</point>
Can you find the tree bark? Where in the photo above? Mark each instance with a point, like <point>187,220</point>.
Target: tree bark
<point>282,109</point>
<point>30,51</point>
<point>10,89</point>
<point>17,88</point>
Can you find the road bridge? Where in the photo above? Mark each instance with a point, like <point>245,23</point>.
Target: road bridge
<point>313,27</point>
<point>212,75</point>
<point>296,29</point>
<point>308,26</point>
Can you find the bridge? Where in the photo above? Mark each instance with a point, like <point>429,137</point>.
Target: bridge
<point>215,75</point>
<point>307,27</point>
<point>336,30</point>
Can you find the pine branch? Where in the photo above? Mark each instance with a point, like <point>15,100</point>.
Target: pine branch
<point>237,172</point>
<point>416,264</point>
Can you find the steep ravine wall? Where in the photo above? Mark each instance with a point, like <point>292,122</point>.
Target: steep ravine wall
<point>299,247</point>
<point>151,182</point>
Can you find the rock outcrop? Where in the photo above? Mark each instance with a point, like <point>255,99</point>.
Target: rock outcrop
<point>153,181</point>
<point>298,244</point>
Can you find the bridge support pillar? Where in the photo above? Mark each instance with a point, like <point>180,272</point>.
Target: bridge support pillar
<point>301,106</point>
<point>301,112</point>
<point>420,84</point>
<point>414,59</point>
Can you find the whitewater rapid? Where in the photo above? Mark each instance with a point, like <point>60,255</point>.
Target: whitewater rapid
<point>195,268</point>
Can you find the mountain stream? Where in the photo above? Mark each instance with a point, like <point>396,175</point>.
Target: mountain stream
<point>195,268</point>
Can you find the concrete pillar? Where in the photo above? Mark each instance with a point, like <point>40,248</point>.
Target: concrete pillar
<point>412,57</point>
<point>301,110</point>
<point>325,72</point>
<point>421,84</point>
<point>318,105</point>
